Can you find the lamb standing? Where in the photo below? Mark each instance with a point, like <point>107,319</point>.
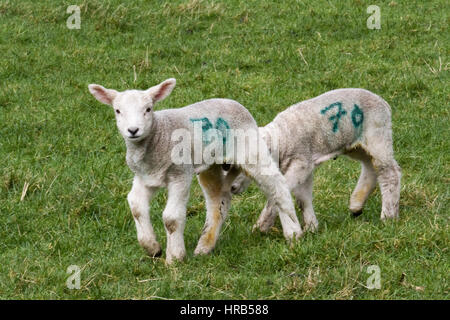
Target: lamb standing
<point>353,122</point>
<point>148,137</point>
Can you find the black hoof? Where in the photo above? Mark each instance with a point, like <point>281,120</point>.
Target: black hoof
<point>156,255</point>
<point>357,213</point>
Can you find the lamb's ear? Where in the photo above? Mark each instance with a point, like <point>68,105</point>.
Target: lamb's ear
<point>102,94</point>
<point>162,90</point>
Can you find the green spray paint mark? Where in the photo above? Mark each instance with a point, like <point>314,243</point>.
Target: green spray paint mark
<point>206,125</point>
<point>335,118</point>
<point>357,120</point>
<point>357,116</point>
<point>221,125</point>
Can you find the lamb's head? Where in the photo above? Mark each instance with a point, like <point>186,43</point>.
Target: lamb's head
<point>133,108</point>
<point>240,184</point>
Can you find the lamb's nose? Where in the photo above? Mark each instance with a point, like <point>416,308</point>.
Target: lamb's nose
<point>133,130</point>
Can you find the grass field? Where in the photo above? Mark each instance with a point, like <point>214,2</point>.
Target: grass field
<point>64,181</point>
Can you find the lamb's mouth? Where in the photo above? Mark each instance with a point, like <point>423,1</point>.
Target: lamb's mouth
<point>133,137</point>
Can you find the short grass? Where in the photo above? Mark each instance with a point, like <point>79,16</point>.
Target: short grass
<point>62,144</point>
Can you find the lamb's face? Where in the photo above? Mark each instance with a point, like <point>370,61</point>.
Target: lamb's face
<point>133,111</point>
<point>133,108</point>
<point>240,184</point>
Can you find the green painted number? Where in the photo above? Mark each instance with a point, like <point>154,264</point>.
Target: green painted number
<point>357,115</point>
<point>337,117</point>
<point>221,125</point>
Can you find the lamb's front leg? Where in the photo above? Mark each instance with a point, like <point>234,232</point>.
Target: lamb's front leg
<point>138,199</point>
<point>279,199</point>
<point>295,175</point>
<point>174,217</point>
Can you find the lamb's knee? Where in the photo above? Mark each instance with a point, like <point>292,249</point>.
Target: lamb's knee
<point>135,212</point>
<point>135,204</point>
<point>171,225</point>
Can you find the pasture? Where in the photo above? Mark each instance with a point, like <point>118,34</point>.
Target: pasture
<point>64,180</point>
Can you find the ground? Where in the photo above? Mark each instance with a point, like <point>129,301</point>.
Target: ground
<point>64,181</point>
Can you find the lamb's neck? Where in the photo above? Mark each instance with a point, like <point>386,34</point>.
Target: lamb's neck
<point>140,154</point>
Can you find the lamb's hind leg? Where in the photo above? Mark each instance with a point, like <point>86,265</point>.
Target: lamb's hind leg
<point>304,195</point>
<point>388,173</point>
<point>138,199</point>
<point>216,189</point>
<point>366,182</point>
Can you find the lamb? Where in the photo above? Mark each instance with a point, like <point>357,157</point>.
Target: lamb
<point>149,138</point>
<point>351,122</point>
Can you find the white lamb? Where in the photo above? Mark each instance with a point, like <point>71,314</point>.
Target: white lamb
<point>149,139</point>
<point>353,122</point>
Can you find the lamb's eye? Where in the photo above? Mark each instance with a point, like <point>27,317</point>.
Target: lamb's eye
<point>117,111</point>
<point>148,110</point>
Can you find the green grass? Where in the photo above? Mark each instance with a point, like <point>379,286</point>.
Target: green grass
<point>55,137</point>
